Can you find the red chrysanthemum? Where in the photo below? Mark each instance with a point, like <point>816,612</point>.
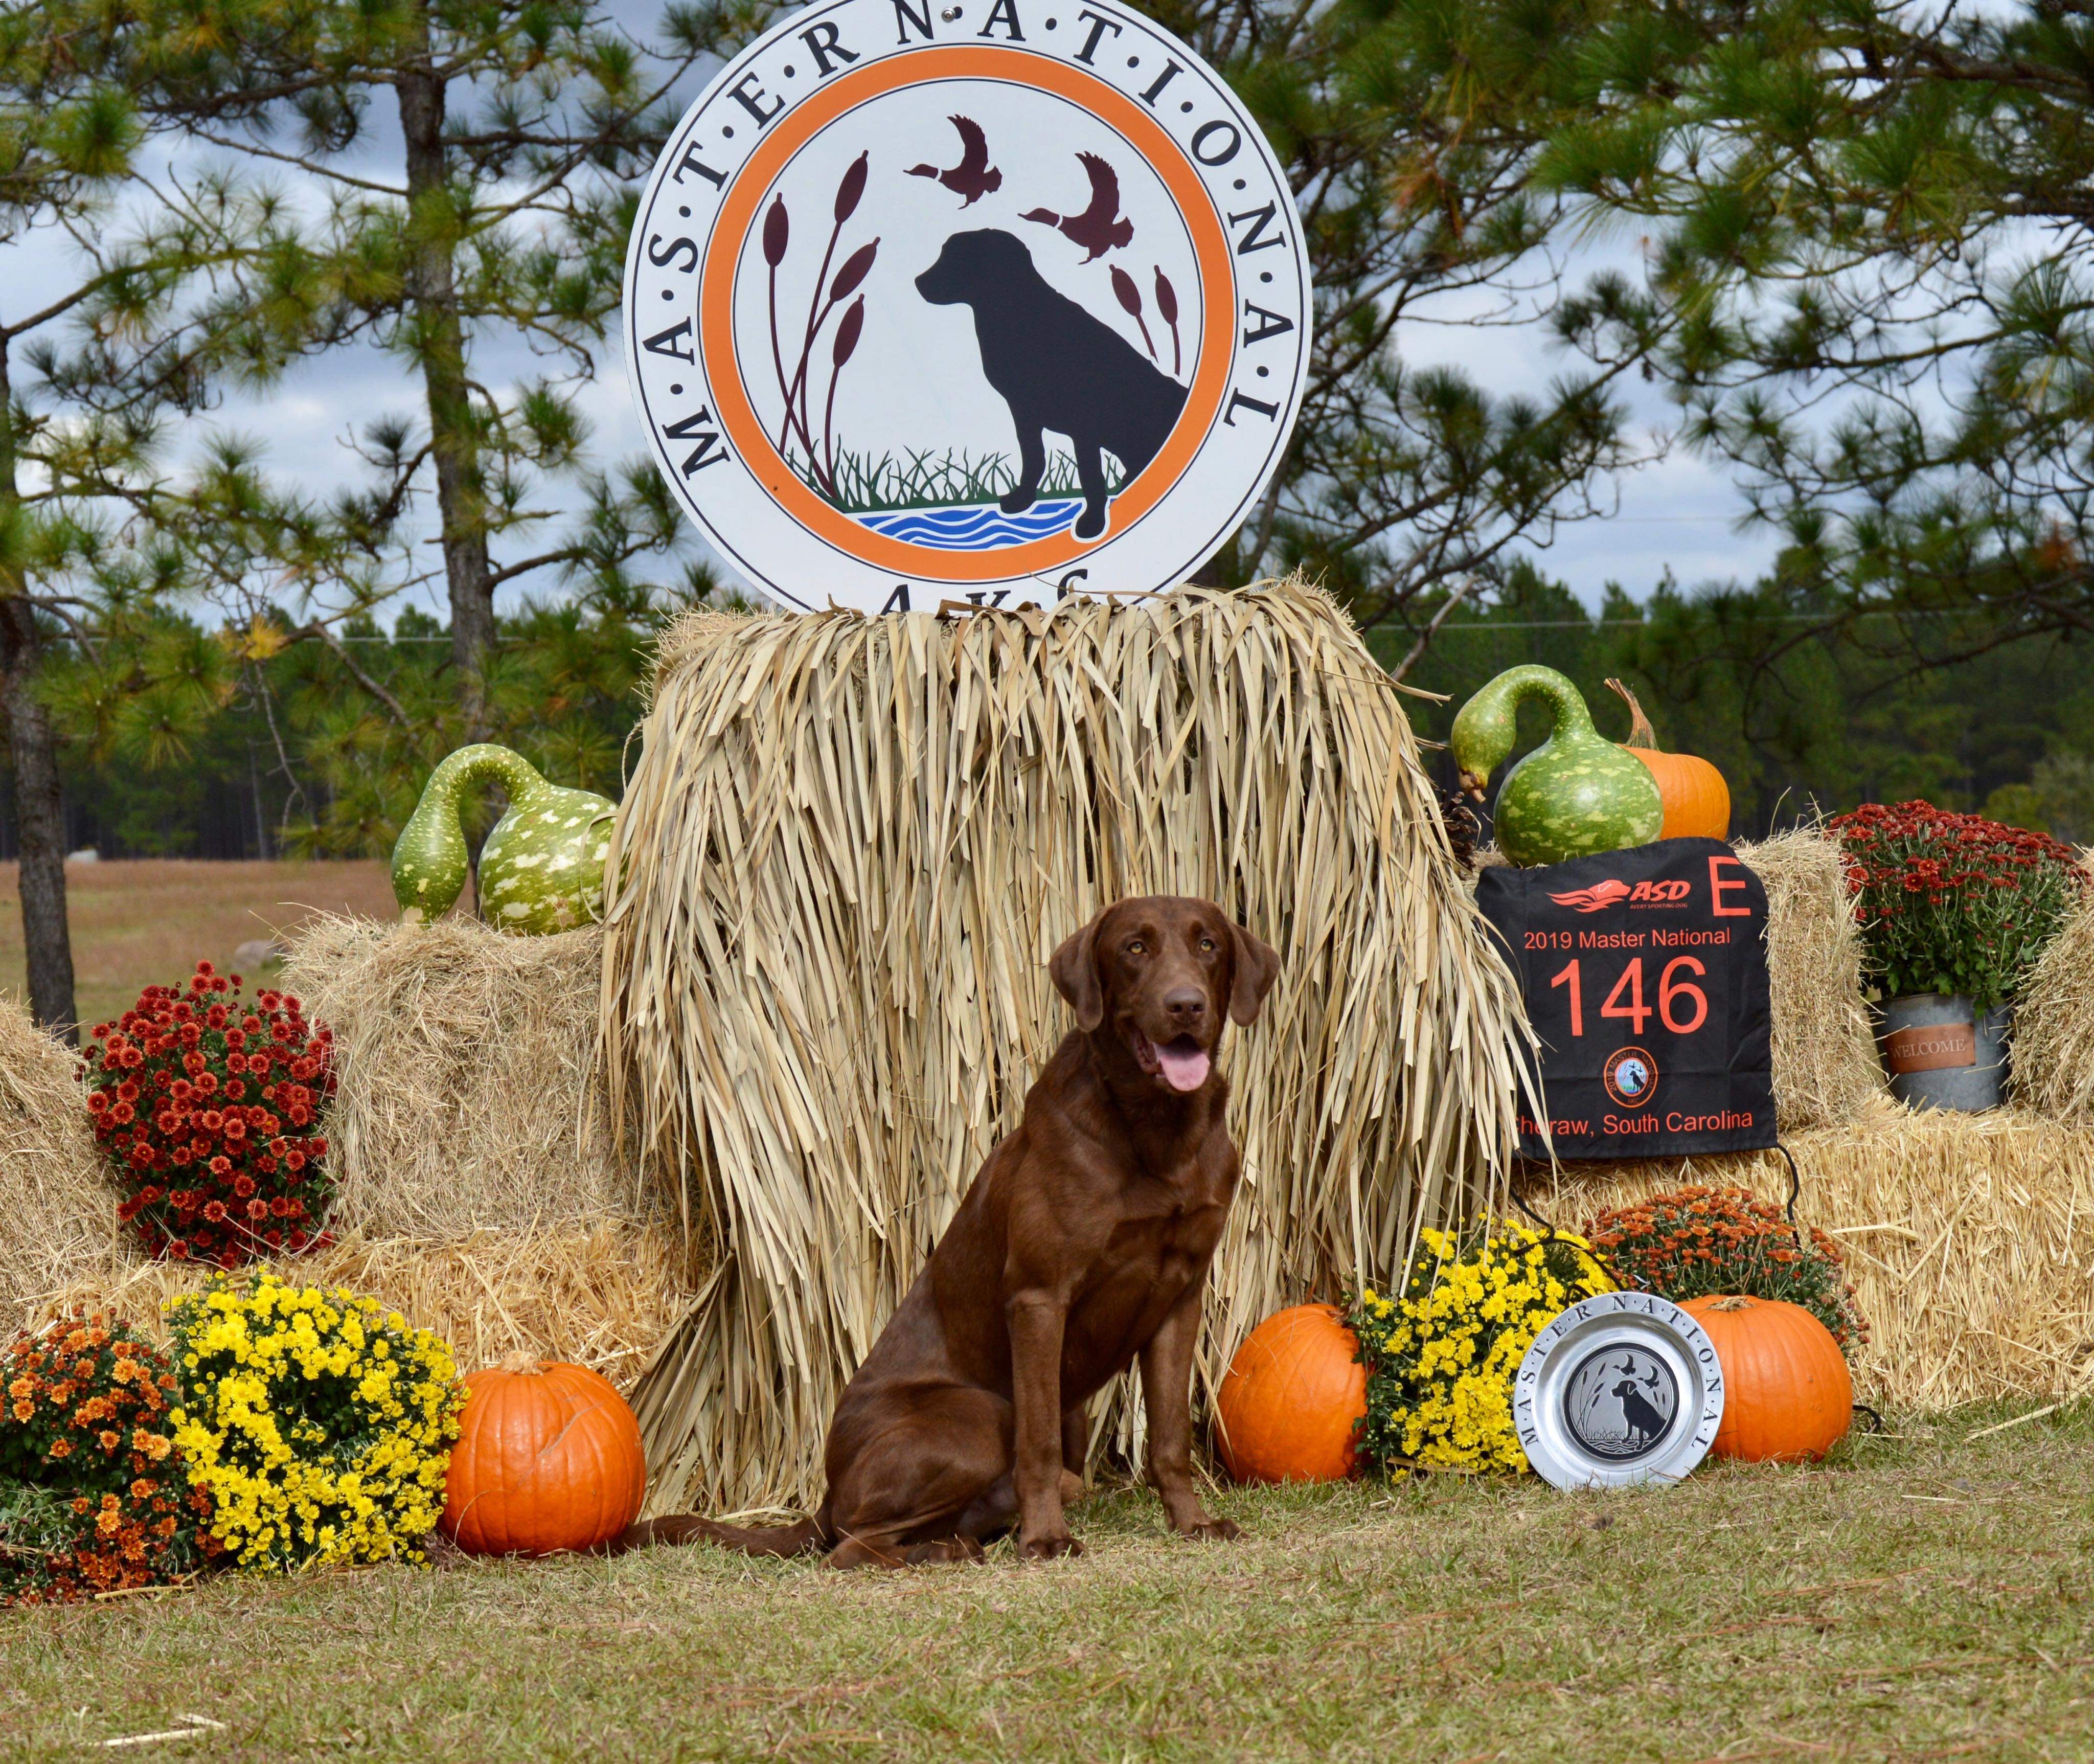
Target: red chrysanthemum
<point>168,1088</point>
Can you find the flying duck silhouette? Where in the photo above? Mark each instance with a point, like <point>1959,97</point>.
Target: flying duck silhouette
<point>1100,227</point>
<point>973,177</point>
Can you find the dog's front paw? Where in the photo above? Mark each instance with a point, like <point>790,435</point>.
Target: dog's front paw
<point>1091,523</point>
<point>1016,501</point>
<point>1047,1547</point>
<point>1212,1531</point>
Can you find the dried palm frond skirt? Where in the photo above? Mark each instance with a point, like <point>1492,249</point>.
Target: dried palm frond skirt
<point>847,851</point>
<point>1970,1240</point>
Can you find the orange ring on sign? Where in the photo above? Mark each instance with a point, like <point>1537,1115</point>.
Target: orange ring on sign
<point>737,414</point>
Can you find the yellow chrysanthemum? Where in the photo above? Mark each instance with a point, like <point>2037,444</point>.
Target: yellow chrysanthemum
<point>1444,1353</point>
<point>322,1430</point>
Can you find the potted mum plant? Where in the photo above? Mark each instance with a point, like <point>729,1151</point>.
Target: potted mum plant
<point>1952,910</point>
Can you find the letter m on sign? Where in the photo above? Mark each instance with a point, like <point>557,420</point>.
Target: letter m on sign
<point>708,451</point>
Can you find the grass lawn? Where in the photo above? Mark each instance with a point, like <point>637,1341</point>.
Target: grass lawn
<point>141,921</point>
<point>1927,1595</point>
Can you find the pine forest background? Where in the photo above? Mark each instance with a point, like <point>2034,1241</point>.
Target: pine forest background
<point>1834,250</point>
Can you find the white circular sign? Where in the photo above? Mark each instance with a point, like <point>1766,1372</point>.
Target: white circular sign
<point>1619,1389</point>
<point>981,299</point>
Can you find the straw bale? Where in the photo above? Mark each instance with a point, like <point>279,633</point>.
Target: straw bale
<point>1969,1238</point>
<point>847,851</point>
<point>2053,1045</point>
<point>598,1294</point>
<point>468,1091</point>
<point>58,1208</point>
<point>1825,1066</point>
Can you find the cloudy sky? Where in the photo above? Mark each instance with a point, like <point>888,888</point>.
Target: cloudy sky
<point>1674,514</point>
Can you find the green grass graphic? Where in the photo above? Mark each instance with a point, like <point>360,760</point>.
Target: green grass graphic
<point>932,480</point>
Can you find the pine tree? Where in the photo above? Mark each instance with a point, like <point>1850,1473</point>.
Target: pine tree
<point>522,126</point>
<point>1870,284</point>
<point>1408,129</point>
<point>91,359</point>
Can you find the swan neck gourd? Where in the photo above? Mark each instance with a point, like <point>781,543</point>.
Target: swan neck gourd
<point>541,868</point>
<point>1576,794</point>
<point>1487,728</point>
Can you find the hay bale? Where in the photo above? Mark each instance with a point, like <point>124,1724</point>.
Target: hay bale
<point>480,1192</point>
<point>1969,1238</point>
<point>1826,1070</point>
<point>598,1294</point>
<point>848,849</point>
<point>468,1097</point>
<point>2053,1045</point>
<point>58,1208</point>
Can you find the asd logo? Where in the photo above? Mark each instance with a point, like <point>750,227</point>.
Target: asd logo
<point>1614,891</point>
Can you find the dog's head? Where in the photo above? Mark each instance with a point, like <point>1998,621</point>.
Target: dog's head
<point>1161,974</point>
<point>974,265</point>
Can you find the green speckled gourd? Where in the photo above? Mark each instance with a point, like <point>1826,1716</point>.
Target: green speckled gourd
<point>1576,794</point>
<point>541,869</point>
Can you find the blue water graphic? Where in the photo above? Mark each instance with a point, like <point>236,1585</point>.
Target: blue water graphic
<point>975,526</point>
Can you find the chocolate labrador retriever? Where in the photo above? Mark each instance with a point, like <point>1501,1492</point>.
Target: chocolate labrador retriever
<point>1082,1244</point>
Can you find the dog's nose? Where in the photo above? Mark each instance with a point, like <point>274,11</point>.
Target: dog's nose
<point>1186,1004</point>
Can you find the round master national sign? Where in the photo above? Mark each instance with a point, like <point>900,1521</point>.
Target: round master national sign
<point>996,301</point>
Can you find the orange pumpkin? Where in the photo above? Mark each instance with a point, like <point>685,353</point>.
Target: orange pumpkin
<point>1293,1398</point>
<point>1786,1392</point>
<point>548,1458</point>
<point>1697,802</point>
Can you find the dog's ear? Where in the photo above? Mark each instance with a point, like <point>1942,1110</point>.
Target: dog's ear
<point>1073,969</point>
<point>1257,967</point>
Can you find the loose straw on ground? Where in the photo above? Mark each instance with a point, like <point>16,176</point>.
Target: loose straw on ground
<point>847,851</point>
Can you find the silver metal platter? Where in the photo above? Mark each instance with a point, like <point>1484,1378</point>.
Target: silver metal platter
<point>1618,1390</point>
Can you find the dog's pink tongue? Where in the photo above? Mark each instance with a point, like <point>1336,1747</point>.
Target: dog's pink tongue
<point>1184,1068</point>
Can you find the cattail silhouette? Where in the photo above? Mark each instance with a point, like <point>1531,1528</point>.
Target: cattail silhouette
<point>847,337</point>
<point>1130,299</point>
<point>852,188</point>
<point>777,232</point>
<point>1166,303</point>
<point>857,267</point>
<point>839,352</point>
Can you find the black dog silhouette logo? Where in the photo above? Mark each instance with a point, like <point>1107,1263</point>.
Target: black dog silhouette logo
<point>973,310</point>
<point>1070,357</point>
<point>1621,1403</point>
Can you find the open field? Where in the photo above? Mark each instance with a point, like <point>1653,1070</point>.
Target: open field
<point>1928,1596</point>
<point>141,921</point>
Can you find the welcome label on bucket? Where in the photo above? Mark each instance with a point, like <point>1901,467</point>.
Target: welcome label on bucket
<point>991,301</point>
<point>1934,1048</point>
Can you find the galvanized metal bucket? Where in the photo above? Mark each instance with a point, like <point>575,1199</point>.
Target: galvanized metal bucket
<point>1942,1055</point>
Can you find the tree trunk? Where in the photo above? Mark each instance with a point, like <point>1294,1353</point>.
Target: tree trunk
<point>432,288</point>
<point>39,809</point>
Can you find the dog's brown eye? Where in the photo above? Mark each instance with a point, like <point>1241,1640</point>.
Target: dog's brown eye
<point>1206,944</point>
<point>1137,948</point>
